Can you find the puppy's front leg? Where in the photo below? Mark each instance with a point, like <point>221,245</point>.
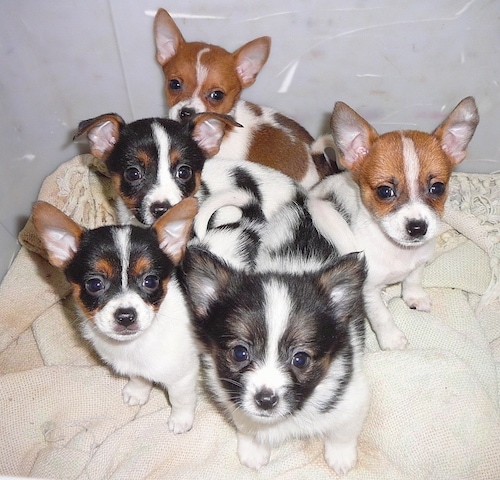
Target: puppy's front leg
<point>389,336</point>
<point>182,397</point>
<point>136,391</point>
<point>413,293</point>
<point>251,453</point>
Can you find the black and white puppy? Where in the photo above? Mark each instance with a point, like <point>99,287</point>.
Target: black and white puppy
<point>127,294</point>
<point>283,344</point>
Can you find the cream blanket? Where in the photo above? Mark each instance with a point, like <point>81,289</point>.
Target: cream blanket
<point>434,412</point>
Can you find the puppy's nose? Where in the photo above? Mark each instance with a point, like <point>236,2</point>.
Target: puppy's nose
<point>186,113</point>
<point>416,228</point>
<point>125,316</point>
<point>266,399</point>
<point>157,209</point>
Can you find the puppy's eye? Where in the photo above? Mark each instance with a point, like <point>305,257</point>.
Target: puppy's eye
<point>151,282</point>
<point>241,354</point>
<point>384,192</point>
<point>184,173</point>
<point>437,189</point>
<point>216,95</point>
<point>175,84</point>
<point>300,360</point>
<point>95,285</point>
<point>132,175</point>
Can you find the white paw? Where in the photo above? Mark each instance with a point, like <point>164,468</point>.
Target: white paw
<point>136,392</point>
<point>252,454</point>
<point>340,457</point>
<point>180,420</point>
<point>391,338</point>
<point>418,299</point>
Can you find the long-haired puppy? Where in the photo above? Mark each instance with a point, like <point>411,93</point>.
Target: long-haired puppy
<point>393,195</point>
<point>132,309</point>
<point>283,344</point>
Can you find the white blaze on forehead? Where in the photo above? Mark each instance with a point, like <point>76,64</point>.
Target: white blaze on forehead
<point>121,237</point>
<point>165,188</point>
<point>411,166</point>
<point>277,312</point>
<point>201,71</point>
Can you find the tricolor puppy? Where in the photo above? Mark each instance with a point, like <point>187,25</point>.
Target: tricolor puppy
<point>154,163</point>
<point>393,196</point>
<point>200,77</point>
<point>283,344</point>
<point>132,309</point>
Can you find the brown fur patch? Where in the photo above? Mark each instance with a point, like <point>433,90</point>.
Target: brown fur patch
<point>102,265</point>
<point>89,314</point>
<point>139,266</point>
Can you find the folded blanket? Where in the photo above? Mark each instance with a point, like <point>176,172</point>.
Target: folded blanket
<point>434,411</point>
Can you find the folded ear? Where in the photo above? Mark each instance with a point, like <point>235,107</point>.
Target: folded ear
<point>208,130</point>
<point>59,234</point>
<point>205,279</point>
<point>102,133</point>
<point>352,134</point>
<point>456,131</point>
<point>167,36</point>
<point>174,228</point>
<point>343,281</point>
<point>250,58</point>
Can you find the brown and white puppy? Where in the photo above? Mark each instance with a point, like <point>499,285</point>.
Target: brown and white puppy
<point>200,77</point>
<point>393,195</point>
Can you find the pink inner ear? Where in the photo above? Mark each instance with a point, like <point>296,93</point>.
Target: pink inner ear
<point>208,135</point>
<point>102,138</point>
<point>250,60</point>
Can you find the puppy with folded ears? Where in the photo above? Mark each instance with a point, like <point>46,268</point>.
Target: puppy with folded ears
<point>200,77</point>
<point>393,196</point>
<point>127,294</point>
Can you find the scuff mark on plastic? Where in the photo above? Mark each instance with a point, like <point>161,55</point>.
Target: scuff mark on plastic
<point>292,68</point>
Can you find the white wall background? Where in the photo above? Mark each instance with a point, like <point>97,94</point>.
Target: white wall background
<point>399,64</point>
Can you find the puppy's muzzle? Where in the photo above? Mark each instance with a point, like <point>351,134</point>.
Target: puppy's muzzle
<point>266,399</point>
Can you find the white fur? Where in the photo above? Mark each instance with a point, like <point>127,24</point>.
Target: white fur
<point>388,262</point>
<point>163,352</point>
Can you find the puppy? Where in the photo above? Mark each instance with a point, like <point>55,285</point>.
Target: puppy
<point>283,344</point>
<point>393,195</point>
<point>127,294</point>
<point>200,77</point>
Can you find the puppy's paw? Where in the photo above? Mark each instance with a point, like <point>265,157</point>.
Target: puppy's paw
<point>252,454</point>
<point>180,420</point>
<point>136,392</point>
<point>340,457</point>
<point>391,338</point>
<point>418,299</point>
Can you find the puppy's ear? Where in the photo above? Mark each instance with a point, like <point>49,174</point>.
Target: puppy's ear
<point>456,131</point>
<point>352,134</point>
<point>167,36</point>
<point>208,130</point>
<point>204,279</point>
<point>250,58</point>
<point>102,133</point>
<point>59,234</point>
<point>343,281</point>
<point>174,228</point>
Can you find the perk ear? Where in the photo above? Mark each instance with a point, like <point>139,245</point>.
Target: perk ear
<point>59,234</point>
<point>208,130</point>
<point>352,134</point>
<point>167,36</point>
<point>204,278</point>
<point>102,133</point>
<point>174,228</point>
<point>456,131</point>
<point>343,281</point>
<point>250,58</point>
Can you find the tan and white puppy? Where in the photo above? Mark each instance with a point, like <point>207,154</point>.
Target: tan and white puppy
<point>393,195</point>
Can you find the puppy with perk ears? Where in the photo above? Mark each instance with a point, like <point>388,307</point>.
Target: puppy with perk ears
<point>200,77</point>
<point>393,196</point>
<point>132,309</point>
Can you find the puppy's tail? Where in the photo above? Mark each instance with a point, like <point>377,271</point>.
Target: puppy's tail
<point>324,157</point>
<point>221,209</point>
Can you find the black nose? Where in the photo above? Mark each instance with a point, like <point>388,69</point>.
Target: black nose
<point>266,399</point>
<point>157,209</point>
<point>125,316</point>
<point>416,228</point>
<point>186,113</point>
